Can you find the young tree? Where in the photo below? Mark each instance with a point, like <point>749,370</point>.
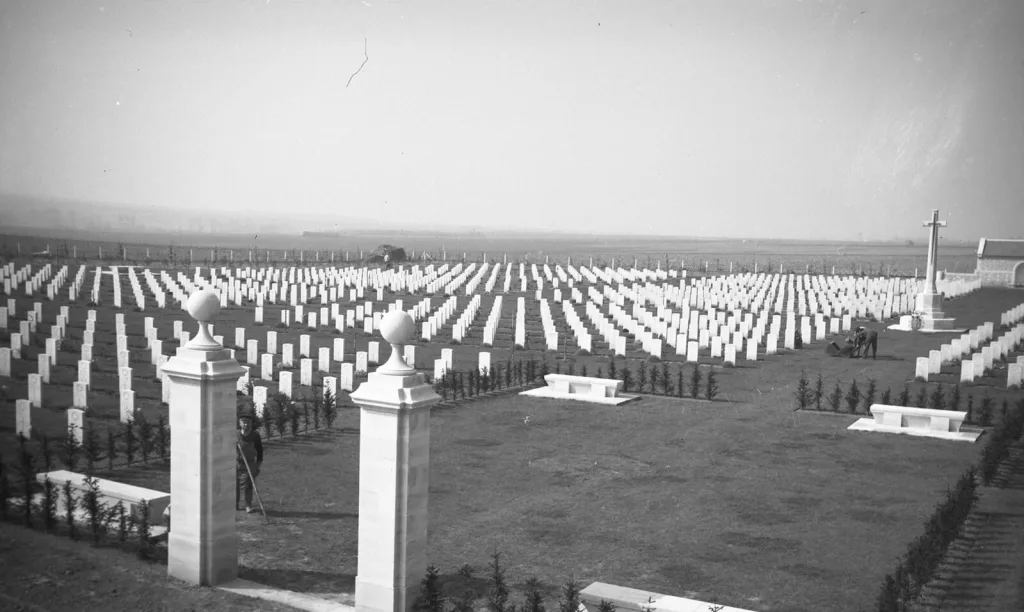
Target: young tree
<point>904,397</point>
<point>430,598</point>
<point>953,399</point>
<point>641,376</point>
<point>853,397</point>
<point>819,391</point>
<point>695,381</point>
<point>803,393</point>
<point>835,398</point>
<point>497,597</point>
<point>711,387</point>
<point>869,395</point>
<point>922,397</point>
<point>938,398</point>
<point>655,378</point>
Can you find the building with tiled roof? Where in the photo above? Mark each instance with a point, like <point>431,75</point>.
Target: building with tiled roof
<point>1001,262</point>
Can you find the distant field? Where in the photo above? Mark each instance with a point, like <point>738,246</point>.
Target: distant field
<point>716,255</point>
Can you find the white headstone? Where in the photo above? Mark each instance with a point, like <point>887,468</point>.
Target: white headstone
<point>287,356</point>
<point>35,390</point>
<point>259,400</point>
<point>347,376</point>
<point>284,383</point>
<point>324,361</point>
<point>127,405</point>
<point>373,352</point>
<point>1014,375</point>
<point>361,362</point>
<point>76,424</point>
<point>339,349</point>
<point>5,362</point>
<point>84,372</point>
<point>304,345</point>
<point>306,372</point>
<point>44,367</point>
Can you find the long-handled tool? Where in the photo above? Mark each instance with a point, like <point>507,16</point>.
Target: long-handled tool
<point>253,481</point>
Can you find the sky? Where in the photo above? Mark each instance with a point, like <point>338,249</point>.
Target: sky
<point>741,118</point>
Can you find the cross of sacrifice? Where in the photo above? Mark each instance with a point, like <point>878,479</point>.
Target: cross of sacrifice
<point>933,248</point>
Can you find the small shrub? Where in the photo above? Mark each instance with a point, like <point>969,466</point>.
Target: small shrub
<point>93,508</point>
<point>953,399</point>
<point>819,391</point>
<point>655,378</point>
<point>641,376</point>
<point>922,397</point>
<point>111,449</point>
<point>711,388</point>
<point>49,504</point>
<point>627,378</point>
<point>70,449</point>
<point>985,410</point>
<point>886,397</point>
<point>128,431</point>
<point>695,381</point>
<point>143,531</point>
<point>803,393</point>
<point>430,598</point>
<point>835,398</point>
<point>853,397</point>
<point>938,398</point>
<point>904,397</point>
<point>90,448</point>
<point>69,510</point>
<point>869,395</point>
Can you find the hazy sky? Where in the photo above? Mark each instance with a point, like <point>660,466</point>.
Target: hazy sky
<point>748,118</point>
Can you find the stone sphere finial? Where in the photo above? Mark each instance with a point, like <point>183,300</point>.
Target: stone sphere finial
<point>203,306</point>
<point>397,328</point>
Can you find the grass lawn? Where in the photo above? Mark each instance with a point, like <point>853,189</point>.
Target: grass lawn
<point>733,503</point>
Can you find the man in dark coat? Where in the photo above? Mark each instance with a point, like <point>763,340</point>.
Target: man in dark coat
<point>250,446</point>
<point>865,339</point>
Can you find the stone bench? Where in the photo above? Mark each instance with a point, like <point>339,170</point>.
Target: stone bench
<point>634,600</point>
<point>110,492</point>
<point>582,388</point>
<point>926,422</point>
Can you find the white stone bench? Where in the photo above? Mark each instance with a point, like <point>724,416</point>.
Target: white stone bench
<point>582,388</point>
<point>634,600</point>
<point>926,422</point>
<point>110,492</point>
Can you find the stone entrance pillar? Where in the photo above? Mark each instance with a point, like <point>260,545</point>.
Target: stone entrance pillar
<point>202,545</point>
<point>394,476</point>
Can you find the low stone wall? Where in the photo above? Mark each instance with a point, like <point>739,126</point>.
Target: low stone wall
<point>997,272</point>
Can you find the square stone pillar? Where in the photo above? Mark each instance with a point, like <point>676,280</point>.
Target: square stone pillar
<point>202,545</point>
<point>394,477</point>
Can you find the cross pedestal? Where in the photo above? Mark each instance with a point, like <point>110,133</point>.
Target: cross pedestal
<point>929,302</point>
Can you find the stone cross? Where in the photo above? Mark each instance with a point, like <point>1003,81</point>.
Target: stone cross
<point>933,250</point>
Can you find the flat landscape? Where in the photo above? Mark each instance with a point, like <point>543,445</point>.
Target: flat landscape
<point>743,500</point>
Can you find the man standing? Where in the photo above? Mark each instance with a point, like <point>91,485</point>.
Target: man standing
<point>866,339</point>
<point>250,450</point>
